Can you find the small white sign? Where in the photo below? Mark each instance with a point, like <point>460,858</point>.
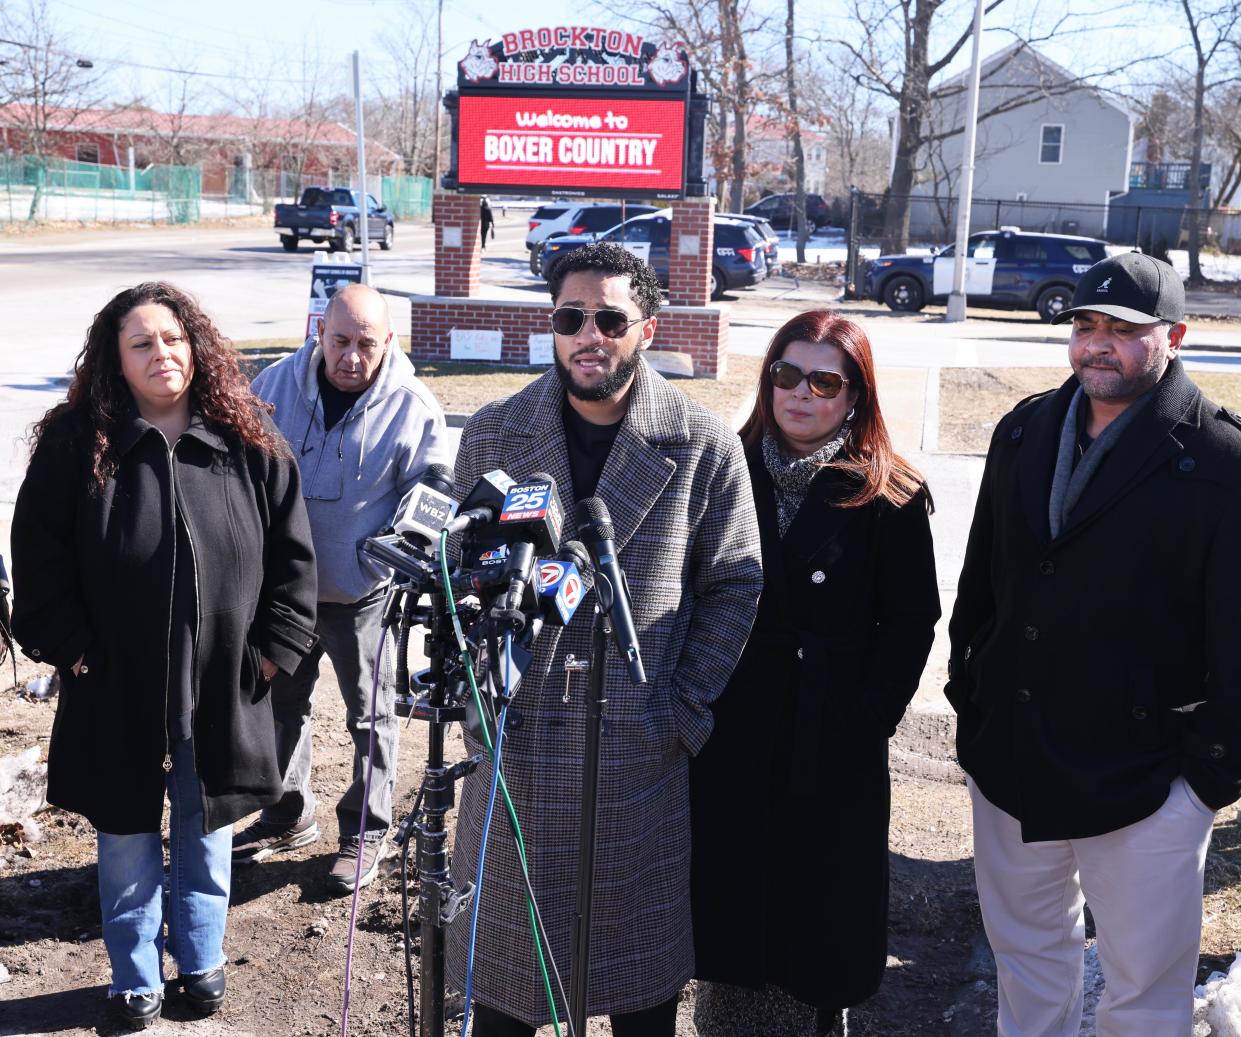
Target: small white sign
<point>452,237</point>
<point>475,344</point>
<point>688,245</point>
<point>541,347</point>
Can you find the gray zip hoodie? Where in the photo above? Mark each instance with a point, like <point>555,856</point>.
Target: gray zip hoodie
<point>356,477</point>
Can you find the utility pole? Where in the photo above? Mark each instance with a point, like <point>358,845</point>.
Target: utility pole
<point>956,300</point>
<point>364,215</point>
<point>437,104</point>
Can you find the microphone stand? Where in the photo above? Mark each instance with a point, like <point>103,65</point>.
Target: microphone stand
<point>596,705</point>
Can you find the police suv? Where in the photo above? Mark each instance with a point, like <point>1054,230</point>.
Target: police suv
<point>1007,269</point>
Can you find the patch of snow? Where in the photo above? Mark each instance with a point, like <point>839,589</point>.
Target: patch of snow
<point>1217,1003</point>
<point>23,784</point>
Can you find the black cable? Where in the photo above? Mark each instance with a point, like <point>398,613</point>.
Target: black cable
<point>409,936</point>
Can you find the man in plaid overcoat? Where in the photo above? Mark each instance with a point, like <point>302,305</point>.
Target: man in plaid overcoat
<point>674,479</point>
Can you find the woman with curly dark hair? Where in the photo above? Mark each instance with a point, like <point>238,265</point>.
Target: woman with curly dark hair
<point>163,564</point>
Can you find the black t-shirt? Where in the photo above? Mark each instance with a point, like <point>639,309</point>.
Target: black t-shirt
<point>1084,438</point>
<point>336,402</point>
<point>589,446</point>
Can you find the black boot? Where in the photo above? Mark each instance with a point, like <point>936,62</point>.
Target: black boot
<point>138,1011</point>
<point>205,992</point>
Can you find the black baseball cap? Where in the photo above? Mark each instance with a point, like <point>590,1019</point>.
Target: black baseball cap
<point>1131,286</point>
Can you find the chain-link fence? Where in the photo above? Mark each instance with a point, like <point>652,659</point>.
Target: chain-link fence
<point>56,189</point>
<point>1141,220</point>
<point>407,197</point>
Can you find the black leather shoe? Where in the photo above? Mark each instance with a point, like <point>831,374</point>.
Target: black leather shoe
<point>138,1011</point>
<point>205,992</point>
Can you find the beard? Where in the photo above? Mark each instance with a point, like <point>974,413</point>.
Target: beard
<point>1106,388</point>
<point>610,385</point>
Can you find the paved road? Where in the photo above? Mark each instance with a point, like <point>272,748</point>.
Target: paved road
<point>54,284</point>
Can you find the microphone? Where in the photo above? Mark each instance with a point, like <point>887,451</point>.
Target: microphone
<point>530,522</point>
<point>563,582</point>
<point>429,507</point>
<point>595,526</point>
<point>482,504</point>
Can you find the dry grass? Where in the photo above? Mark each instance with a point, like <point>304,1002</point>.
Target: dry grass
<point>973,399</point>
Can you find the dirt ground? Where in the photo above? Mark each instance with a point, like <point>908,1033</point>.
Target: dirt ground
<point>287,932</point>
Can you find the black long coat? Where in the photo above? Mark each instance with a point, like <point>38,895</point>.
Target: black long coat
<point>93,578</point>
<point>1089,671</point>
<point>790,796</point>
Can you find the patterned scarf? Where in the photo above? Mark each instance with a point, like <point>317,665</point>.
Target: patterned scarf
<point>791,476</point>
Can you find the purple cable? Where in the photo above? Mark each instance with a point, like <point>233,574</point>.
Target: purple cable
<point>366,796</point>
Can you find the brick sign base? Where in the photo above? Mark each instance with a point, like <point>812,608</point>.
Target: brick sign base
<point>701,332</point>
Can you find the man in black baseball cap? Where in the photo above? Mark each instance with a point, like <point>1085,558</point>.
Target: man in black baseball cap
<point>1095,666</point>
<point>1131,286</point>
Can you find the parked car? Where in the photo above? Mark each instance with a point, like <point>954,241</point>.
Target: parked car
<point>332,215</point>
<point>739,259</point>
<point>771,240</point>
<point>778,210</point>
<point>578,218</point>
<point>1008,269</point>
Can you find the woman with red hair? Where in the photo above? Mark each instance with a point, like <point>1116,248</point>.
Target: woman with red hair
<point>791,794</point>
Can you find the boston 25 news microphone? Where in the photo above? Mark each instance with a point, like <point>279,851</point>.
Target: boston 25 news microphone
<point>595,527</point>
<point>530,522</point>
<point>482,504</point>
<point>428,508</point>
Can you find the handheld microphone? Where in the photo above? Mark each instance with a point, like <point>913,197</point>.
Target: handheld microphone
<point>530,521</point>
<point>532,512</point>
<point>428,508</point>
<point>595,526</point>
<point>482,504</point>
<point>563,582</point>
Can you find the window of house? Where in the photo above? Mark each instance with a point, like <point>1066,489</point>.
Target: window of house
<point>1051,144</point>
<point>88,153</point>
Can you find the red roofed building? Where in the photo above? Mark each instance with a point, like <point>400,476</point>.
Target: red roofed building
<point>239,156</point>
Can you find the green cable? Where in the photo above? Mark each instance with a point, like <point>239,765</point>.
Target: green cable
<point>512,811</point>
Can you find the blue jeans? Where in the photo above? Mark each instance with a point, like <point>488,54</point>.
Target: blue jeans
<point>131,890</point>
<point>349,635</point>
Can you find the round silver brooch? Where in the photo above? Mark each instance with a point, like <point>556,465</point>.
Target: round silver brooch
<point>817,576</point>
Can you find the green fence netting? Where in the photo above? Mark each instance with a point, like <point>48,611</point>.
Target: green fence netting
<point>62,189</point>
<point>407,197</point>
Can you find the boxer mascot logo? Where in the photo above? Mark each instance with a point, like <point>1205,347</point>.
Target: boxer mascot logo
<point>667,66</point>
<point>478,64</point>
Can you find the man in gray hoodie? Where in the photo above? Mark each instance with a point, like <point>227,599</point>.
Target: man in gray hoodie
<point>363,430</point>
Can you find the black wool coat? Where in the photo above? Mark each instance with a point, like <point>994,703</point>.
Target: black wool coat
<point>1089,671</point>
<point>790,796</point>
<point>93,578</point>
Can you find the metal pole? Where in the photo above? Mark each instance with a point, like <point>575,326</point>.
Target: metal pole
<point>956,301</point>
<point>439,91</point>
<point>596,704</point>
<point>364,216</point>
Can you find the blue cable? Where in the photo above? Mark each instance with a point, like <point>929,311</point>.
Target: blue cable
<point>482,848</point>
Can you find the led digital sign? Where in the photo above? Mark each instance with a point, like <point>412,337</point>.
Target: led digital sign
<point>572,145</point>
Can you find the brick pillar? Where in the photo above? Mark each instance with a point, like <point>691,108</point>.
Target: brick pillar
<point>690,252</point>
<point>457,243</point>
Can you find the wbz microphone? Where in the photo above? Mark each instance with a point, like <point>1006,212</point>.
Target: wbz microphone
<point>428,509</point>
<point>595,526</point>
<point>482,504</point>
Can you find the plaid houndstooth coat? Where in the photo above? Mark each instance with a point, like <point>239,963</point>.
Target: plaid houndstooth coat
<point>679,494</point>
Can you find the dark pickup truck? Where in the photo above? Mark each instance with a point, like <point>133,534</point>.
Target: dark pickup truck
<point>331,214</point>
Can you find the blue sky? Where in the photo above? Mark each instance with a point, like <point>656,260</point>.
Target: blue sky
<point>228,38</point>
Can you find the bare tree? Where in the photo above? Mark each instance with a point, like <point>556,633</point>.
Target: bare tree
<point>1212,29</point>
<point>407,109</point>
<point>854,121</point>
<point>1226,122</point>
<point>799,156</point>
<point>47,86</point>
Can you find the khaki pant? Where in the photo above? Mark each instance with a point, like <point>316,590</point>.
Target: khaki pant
<point>1144,886</point>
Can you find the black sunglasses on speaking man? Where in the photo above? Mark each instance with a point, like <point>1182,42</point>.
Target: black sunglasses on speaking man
<point>568,320</point>
<point>824,384</point>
